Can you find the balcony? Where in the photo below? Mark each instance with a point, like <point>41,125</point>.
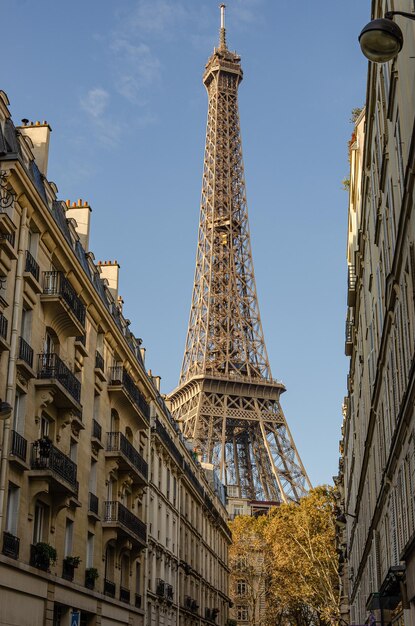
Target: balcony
<point>190,604</point>
<point>80,347</point>
<point>129,460</point>
<point>68,570</point>
<point>348,348</point>
<point>124,594</point>
<point>93,507</point>
<point>11,545</point>
<point>96,430</point>
<point>25,359</point>
<point>351,286</point>
<point>3,333</point>
<point>7,244</point>
<point>96,437</point>
<point>169,593</point>
<point>31,277</point>
<point>99,367</point>
<point>109,588</point>
<point>18,450</point>
<point>49,464</point>
<point>127,395</point>
<point>64,310</point>
<point>127,525</point>
<point>53,374</point>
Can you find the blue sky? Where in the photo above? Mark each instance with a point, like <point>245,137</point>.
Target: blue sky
<point>120,82</point>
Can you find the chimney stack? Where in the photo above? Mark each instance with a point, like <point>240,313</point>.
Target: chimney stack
<point>81,212</point>
<point>39,133</point>
<point>110,271</point>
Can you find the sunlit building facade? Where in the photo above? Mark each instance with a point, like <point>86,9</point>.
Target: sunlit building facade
<point>106,517</point>
<point>378,453</point>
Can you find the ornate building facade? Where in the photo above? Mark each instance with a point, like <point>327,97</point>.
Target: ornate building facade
<point>103,509</point>
<point>378,462</point>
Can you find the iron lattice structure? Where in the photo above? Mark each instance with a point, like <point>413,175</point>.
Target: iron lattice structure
<point>227,401</point>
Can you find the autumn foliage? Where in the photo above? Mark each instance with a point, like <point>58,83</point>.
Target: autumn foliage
<point>289,560</point>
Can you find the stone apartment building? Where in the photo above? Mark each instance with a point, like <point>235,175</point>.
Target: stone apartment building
<point>378,450</point>
<point>105,516</point>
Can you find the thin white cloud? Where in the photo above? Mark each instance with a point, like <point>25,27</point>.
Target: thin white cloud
<point>135,68</point>
<point>156,17</point>
<point>95,102</point>
<point>247,11</point>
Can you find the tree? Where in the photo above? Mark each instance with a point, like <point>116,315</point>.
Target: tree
<point>249,569</point>
<point>302,559</point>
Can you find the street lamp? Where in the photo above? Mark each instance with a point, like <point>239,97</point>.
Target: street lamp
<point>382,39</point>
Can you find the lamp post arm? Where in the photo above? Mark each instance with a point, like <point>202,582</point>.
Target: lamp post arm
<point>389,14</point>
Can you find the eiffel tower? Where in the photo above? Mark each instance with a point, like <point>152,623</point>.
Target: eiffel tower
<point>227,401</point>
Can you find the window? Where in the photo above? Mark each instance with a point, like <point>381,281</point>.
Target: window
<point>44,427</point>
<point>241,587</point>
<point>39,523</point>
<point>49,344</point>
<point>93,477</point>
<point>19,412</point>
<point>68,537</point>
<point>399,155</point>
<point>73,451</point>
<point>12,508</point>
<point>26,325</point>
<point>242,613</point>
<point>90,550</point>
<point>137,577</point>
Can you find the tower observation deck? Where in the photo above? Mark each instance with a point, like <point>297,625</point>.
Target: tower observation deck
<point>227,401</point>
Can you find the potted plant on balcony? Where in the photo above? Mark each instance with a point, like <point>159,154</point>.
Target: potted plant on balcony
<point>91,574</point>
<point>44,555</point>
<point>69,564</point>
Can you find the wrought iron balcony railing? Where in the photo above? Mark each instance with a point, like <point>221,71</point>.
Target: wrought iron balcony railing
<point>18,446</point>
<point>109,588</point>
<point>11,545</point>
<point>99,361</point>
<point>81,339</point>
<point>96,430</point>
<point>118,376</point>
<point>124,594</point>
<point>117,442</point>
<point>51,366</point>
<point>93,503</point>
<point>351,278</point>
<point>171,446</point>
<point>56,283</point>
<point>160,587</point>
<point>10,237</point>
<point>25,352</point>
<point>45,456</point>
<point>169,592</point>
<point>117,512</point>
<point>349,332</point>
<point>68,570</point>
<point>3,326</point>
<point>31,266</point>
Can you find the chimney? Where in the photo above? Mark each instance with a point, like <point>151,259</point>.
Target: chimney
<point>156,380</point>
<point>81,212</point>
<point>110,271</point>
<point>39,133</point>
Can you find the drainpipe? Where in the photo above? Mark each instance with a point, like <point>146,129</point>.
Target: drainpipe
<point>11,371</point>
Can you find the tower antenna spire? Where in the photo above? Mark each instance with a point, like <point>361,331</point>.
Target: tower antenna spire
<point>222,34</point>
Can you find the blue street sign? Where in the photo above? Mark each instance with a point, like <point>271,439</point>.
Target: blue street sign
<point>75,618</point>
